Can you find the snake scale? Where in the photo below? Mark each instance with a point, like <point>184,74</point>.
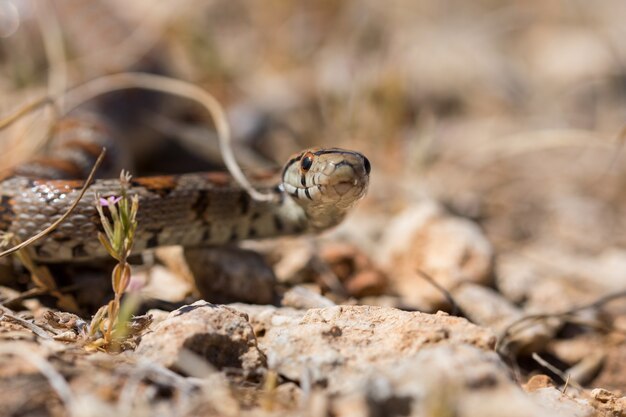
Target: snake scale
<point>318,187</point>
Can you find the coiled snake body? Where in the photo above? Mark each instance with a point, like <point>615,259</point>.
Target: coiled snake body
<point>318,188</point>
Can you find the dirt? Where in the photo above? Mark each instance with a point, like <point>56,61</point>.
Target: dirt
<point>484,274</point>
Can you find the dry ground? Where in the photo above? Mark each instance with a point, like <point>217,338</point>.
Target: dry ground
<point>495,133</point>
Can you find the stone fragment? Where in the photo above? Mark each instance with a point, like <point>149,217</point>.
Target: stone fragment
<point>220,335</point>
<point>608,402</point>
<point>439,380</point>
<point>538,382</point>
<point>292,259</point>
<point>158,282</point>
<point>588,368</point>
<point>325,342</point>
<point>303,298</point>
<point>449,249</point>
<point>354,269</point>
<point>228,274</point>
<point>341,267</point>
<point>551,280</point>
<point>560,404</point>
<point>486,307</point>
<point>262,318</point>
<point>612,375</point>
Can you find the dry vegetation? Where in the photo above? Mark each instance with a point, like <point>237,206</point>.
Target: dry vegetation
<point>495,131</point>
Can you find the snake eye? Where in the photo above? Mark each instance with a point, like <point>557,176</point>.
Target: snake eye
<point>366,165</point>
<point>306,162</point>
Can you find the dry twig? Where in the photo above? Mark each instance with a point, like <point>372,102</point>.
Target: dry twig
<point>455,307</point>
<point>564,377</point>
<point>52,37</point>
<point>128,80</point>
<point>6,314</point>
<point>531,318</point>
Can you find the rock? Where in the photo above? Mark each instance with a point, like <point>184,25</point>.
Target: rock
<point>161,283</point>
<point>341,267</point>
<point>588,368</point>
<point>575,349</point>
<point>354,269</point>
<point>561,404</point>
<point>228,274</point>
<point>383,301</point>
<point>486,307</point>
<point>537,382</point>
<point>613,374</point>
<point>449,249</point>
<point>157,316</point>
<point>367,284</point>
<point>303,298</point>
<point>551,280</point>
<point>608,402</point>
<point>262,318</point>
<point>515,276</point>
<point>220,335</point>
<point>326,342</point>
<point>441,380</point>
<point>292,258</point>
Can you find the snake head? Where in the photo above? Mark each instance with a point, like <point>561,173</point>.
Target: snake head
<point>326,183</point>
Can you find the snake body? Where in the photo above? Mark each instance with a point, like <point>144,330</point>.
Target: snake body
<point>318,187</point>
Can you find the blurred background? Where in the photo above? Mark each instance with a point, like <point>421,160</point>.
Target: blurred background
<point>509,117</point>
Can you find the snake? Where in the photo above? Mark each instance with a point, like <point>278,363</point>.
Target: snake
<point>317,188</point>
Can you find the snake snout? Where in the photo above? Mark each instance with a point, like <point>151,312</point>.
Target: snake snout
<point>366,165</point>
<point>351,174</point>
<point>326,184</point>
<point>344,187</point>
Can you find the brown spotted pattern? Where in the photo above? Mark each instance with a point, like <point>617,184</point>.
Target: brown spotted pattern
<point>191,210</point>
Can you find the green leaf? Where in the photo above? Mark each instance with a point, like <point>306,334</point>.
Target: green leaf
<point>103,240</point>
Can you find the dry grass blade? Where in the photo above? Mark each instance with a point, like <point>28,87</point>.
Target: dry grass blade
<point>127,80</point>
<point>24,110</point>
<point>52,37</point>
<point>106,84</point>
<point>54,225</point>
<point>620,140</point>
<point>5,314</point>
<point>455,306</point>
<point>565,377</point>
<point>528,320</point>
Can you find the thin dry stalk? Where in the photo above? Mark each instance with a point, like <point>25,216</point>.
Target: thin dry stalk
<point>565,377</point>
<point>52,37</point>
<point>7,315</point>
<point>528,320</point>
<point>26,109</point>
<point>455,306</point>
<point>128,80</point>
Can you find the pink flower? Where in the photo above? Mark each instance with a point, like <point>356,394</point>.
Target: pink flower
<point>109,201</point>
